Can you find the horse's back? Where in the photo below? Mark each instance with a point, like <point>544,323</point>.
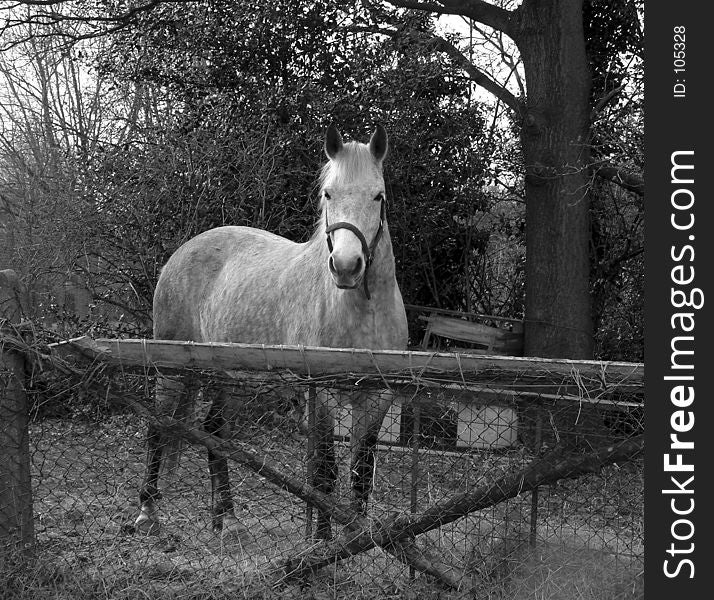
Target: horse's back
<point>239,284</point>
<point>201,267</point>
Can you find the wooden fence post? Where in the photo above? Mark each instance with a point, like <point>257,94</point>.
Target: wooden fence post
<point>16,514</point>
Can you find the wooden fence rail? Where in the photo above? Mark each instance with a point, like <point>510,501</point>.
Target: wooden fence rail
<point>377,368</point>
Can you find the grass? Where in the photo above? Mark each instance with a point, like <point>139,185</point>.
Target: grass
<point>557,573</point>
<point>538,574</point>
<point>87,476</point>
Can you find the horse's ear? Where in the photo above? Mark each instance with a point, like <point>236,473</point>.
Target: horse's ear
<point>333,142</point>
<point>378,143</point>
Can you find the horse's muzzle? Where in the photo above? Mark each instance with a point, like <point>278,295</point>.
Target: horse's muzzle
<point>346,273</point>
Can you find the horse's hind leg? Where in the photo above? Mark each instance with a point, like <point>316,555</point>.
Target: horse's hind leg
<point>368,412</point>
<point>171,399</point>
<point>148,521</point>
<point>219,422</point>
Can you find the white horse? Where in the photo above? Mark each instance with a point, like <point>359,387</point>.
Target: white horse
<point>240,284</point>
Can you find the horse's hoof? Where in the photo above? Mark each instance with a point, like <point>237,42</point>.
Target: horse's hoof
<point>231,528</point>
<point>147,526</point>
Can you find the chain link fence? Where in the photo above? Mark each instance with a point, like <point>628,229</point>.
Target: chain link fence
<point>480,490</point>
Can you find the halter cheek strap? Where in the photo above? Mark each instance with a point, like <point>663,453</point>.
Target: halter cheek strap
<point>368,251</point>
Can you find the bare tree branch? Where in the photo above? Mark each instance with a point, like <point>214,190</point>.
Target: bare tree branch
<point>477,76</point>
<point>439,44</point>
<point>483,12</point>
<point>628,180</point>
<point>36,3</point>
<point>604,100</point>
<point>49,16</point>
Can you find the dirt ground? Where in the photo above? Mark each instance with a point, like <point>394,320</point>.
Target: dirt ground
<point>87,476</point>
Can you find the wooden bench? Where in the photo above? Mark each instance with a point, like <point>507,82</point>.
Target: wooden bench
<point>489,339</point>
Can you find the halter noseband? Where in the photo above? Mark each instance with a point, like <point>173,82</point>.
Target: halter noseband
<point>368,251</point>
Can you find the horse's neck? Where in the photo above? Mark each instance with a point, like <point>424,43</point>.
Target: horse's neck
<point>381,272</point>
<point>347,318</point>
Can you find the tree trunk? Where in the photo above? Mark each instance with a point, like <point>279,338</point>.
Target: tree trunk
<point>549,35</point>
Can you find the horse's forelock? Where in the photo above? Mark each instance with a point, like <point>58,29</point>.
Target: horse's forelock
<point>354,163</point>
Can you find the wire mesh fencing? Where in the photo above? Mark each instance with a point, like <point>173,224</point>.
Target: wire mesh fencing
<point>476,488</point>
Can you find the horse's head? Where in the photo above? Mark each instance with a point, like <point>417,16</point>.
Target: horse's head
<point>353,202</point>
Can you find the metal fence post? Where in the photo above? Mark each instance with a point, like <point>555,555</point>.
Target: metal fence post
<point>535,492</point>
<point>16,514</point>
<point>414,491</point>
<point>311,434</point>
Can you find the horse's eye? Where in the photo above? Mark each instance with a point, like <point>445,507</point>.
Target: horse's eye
<point>327,196</point>
<point>379,197</point>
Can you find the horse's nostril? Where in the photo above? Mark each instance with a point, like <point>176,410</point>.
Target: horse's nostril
<point>331,264</point>
<point>358,266</point>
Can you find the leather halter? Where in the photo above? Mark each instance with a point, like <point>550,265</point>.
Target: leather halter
<point>368,251</point>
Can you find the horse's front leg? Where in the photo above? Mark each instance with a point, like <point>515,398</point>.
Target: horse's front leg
<point>324,470</point>
<point>219,422</point>
<point>368,411</point>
